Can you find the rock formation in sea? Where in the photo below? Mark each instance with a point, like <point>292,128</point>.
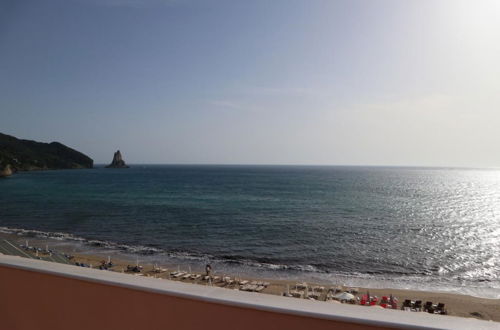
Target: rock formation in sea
<point>118,161</point>
<point>5,171</point>
<point>27,155</point>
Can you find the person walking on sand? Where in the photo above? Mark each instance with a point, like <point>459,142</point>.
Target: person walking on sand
<point>208,269</point>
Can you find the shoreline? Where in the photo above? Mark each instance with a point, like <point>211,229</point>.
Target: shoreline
<point>75,244</point>
<point>460,305</point>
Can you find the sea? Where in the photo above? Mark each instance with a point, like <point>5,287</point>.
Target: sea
<point>383,227</point>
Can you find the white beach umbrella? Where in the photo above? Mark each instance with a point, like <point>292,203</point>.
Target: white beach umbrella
<point>344,296</point>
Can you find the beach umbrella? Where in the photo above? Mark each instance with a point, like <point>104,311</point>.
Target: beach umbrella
<point>344,296</point>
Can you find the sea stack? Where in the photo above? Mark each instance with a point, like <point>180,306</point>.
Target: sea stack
<point>5,171</point>
<point>118,161</point>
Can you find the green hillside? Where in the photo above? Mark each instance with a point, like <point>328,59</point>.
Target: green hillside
<point>26,155</point>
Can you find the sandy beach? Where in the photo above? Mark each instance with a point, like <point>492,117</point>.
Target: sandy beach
<point>456,304</point>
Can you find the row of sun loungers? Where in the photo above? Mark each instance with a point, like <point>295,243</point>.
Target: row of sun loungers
<point>81,264</point>
<point>253,286</point>
<point>177,274</point>
<point>429,307</point>
<point>243,285</point>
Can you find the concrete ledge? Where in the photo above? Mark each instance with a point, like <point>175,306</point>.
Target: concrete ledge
<point>276,311</point>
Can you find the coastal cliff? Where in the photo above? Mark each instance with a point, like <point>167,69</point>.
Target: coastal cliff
<point>26,155</point>
<point>117,161</point>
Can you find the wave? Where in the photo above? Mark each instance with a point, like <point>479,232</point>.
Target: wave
<point>148,250</point>
<point>60,236</point>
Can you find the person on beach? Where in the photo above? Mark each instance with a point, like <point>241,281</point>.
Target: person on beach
<point>208,269</point>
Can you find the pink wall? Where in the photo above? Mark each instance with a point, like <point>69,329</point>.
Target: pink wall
<point>33,300</point>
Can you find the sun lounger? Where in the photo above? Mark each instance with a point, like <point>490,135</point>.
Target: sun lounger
<point>428,306</point>
<point>186,276</point>
<point>440,309</point>
<point>301,286</point>
<point>227,280</point>
<point>249,287</point>
<point>135,269</point>
<point>313,295</point>
<point>353,290</point>
<point>407,305</point>
<point>318,288</point>
<point>260,288</point>
<point>195,276</point>
<point>297,294</point>
<point>335,289</point>
<point>159,270</point>
<point>179,274</point>
<point>243,282</point>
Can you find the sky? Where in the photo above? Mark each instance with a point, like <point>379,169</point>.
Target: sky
<point>375,82</point>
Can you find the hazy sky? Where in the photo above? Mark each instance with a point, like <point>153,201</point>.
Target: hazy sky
<point>256,82</point>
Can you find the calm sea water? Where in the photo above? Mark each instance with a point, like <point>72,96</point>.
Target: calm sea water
<point>417,228</point>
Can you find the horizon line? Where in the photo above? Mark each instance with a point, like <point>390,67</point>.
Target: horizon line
<point>308,165</point>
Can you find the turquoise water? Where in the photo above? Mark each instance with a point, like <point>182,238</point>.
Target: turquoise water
<point>425,228</point>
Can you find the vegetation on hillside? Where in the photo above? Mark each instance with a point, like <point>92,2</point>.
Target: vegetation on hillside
<point>26,155</point>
